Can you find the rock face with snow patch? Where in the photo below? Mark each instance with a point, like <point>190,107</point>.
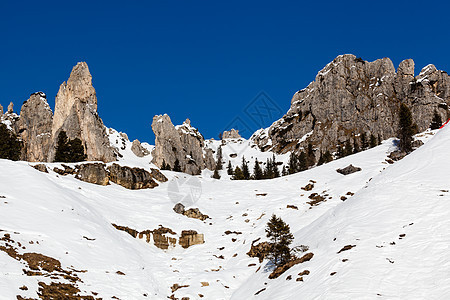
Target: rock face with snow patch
<point>131,178</point>
<point>138,149</point>
<point>351,96</point>
<point>231,134</point>
<point>182,142</point>
<point>35,127</point>
<point>76,113</point>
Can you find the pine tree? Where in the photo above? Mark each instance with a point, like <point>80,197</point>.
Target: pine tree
<point>245,170</point>
<point>436,122</point>
<point>10,146</point>
<point>275,171</point>
<point>165,166</point>
<point>373,141</point>
<point>257,172</point>
<point>302,162</point>
<point>216,174</point>
<point>284,171</point>
<point>238,175</point>
<point>176,166</point>
<point>364,144</point>
<point>407,129</point>
<point>69,150</point>
<point>379,139</point>
<point>355,146</point>
<point>219,164</point>
<point>327,157</point>
<point>230,169</point>
<point>321,160</point>
<point>310,157</point>
<point>293,163</point>
<point>339,152</point>
<point>281,237</point>
<point>348,148</point>
<point>268,170</point>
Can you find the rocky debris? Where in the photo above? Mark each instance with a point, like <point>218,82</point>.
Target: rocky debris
<point>161,238</point>
<point>396,155</point>
<point>351,96</point>
<point>176,287</point>
<point>281,269</point>
<point>348,170</point>
<point>308,187</point>
<point>183,143</point>
<point>66,171</point>
<point>345,248</point>
<point>131,178</point>
<point>292,207</point>
<point>93,173</point>
<point>138,149</point>
<point>195,214</point>
<point>37,264</point>
<point>158,175</point>
<point>35,128</point>
<point>316,199</point>
<point>260,250</point>
<point>190,237</point>
<point>179,208</point>
<point>76,114</point>
<point>228,232</point>
<point>98,173</point>
<point>41,168</point>
<point>232,134</point>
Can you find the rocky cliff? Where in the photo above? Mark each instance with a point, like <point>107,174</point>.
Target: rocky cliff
<point>76,113</point>
<point>35,127</point>
<point>182,142</point>
<point>351,96</point>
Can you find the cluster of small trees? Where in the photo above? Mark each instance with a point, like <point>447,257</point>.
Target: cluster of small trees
<point>242,172</point>
<point>10,145</point>
<point>68,150</point>
<point>176,166</point>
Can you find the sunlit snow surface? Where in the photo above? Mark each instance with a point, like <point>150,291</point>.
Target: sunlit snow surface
<point>58,211</point>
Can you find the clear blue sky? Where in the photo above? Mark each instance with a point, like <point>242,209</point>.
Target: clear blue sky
<point>204,60</point>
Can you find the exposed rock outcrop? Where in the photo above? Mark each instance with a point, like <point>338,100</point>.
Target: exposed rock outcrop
<point>138,149</point>
<point>164,237</point>
<point>11,107</point>
<point>76,114</point>
<point>35,127</point>
<point>93,173</point>
<point>158,175</point>
<point>131,178</point>
<point>182,142</point>
<point>1,110</point>
<point>348,170</point>
<point>190,237</point>
<point>231,134</point>
<point>351,96</point>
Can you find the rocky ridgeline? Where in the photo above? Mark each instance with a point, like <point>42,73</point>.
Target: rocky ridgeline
<point>183,143</point>
<point>75,113</point>
<point>101,174</point>
<point>351,96</point>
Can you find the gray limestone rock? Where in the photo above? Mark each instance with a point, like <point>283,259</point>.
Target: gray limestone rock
<point>76,113</point>
<point>138,149</point>
<point>182,142</point>
<point>35,128</point>
<point>351,96</point>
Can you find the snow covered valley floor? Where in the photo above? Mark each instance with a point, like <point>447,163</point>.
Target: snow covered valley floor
<point>395,221</point>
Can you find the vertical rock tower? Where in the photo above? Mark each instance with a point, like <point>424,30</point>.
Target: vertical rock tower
<point>76,114</point>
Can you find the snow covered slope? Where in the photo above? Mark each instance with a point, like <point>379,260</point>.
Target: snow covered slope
<point>72,220</point>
